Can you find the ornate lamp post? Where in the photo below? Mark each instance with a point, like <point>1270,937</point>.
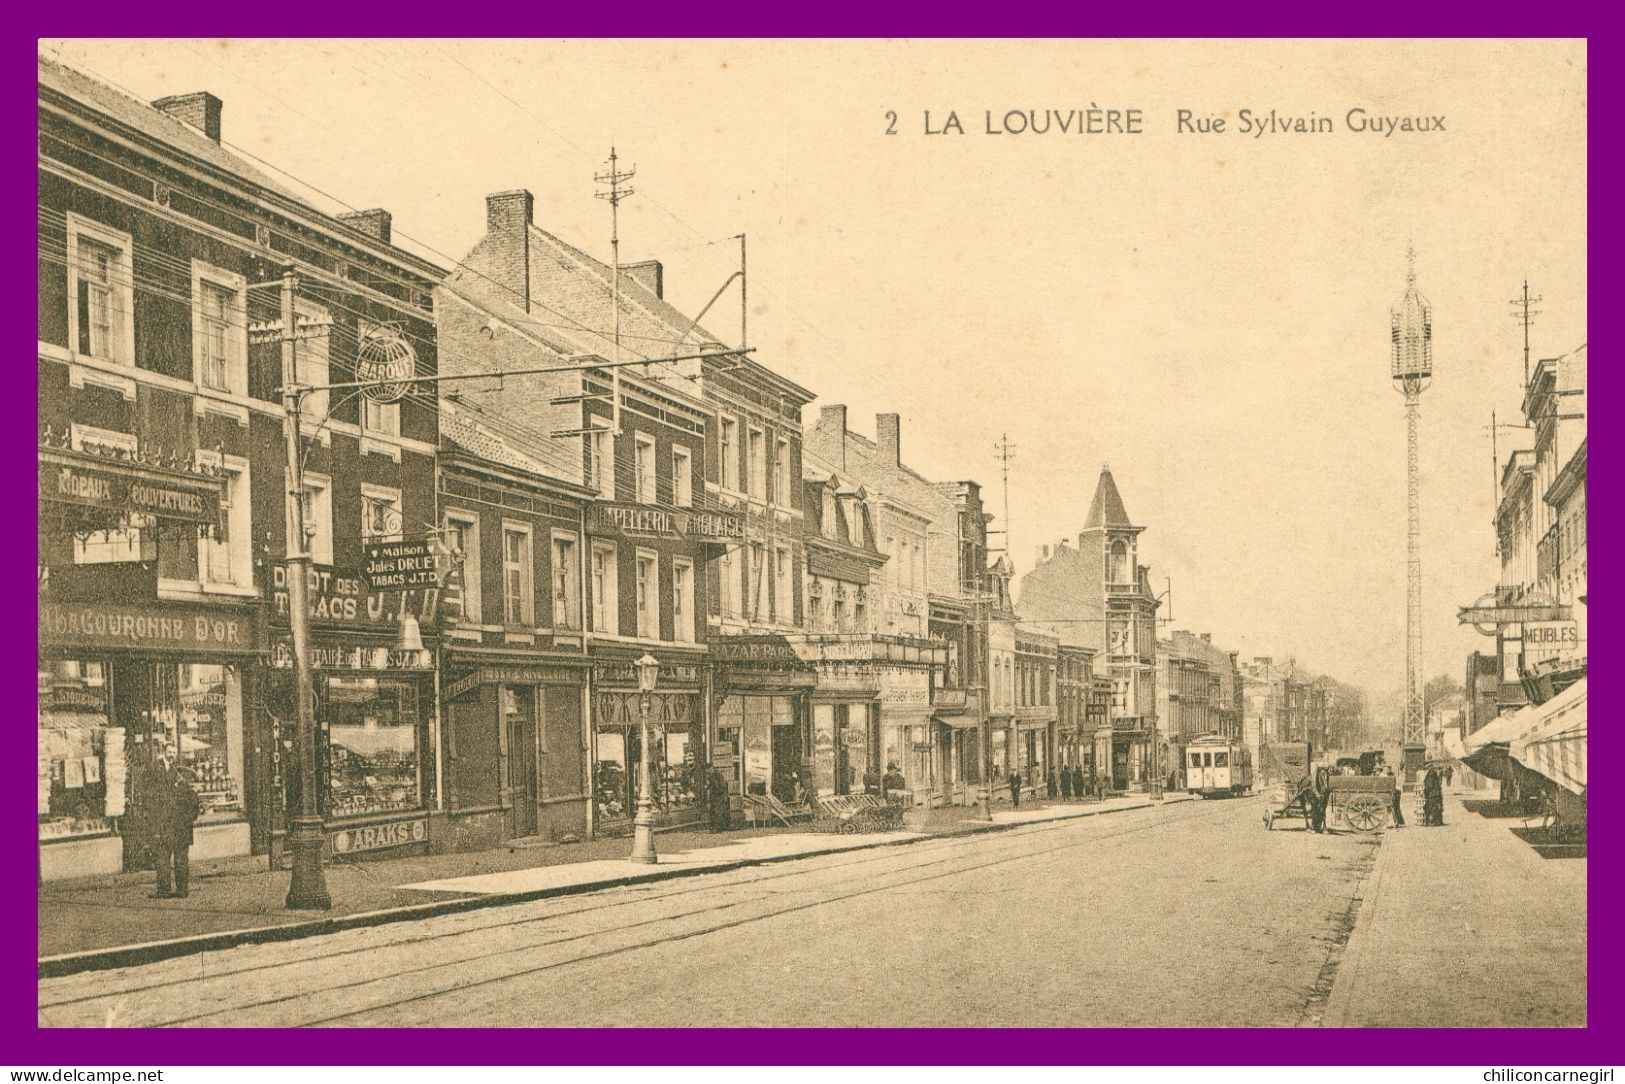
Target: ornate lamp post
<point>643,824</point>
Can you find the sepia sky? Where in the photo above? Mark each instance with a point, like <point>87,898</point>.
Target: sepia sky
<point>1206,312</point>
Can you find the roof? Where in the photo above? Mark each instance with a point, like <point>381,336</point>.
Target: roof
<point>155,123</point>
<point>645,318</point>
<point>461,430</point>
<point>1107,508</point>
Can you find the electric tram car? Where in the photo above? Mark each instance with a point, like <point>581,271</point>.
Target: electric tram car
<point>1216,767</point>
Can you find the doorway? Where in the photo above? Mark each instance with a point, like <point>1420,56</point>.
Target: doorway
<point>519,734</point>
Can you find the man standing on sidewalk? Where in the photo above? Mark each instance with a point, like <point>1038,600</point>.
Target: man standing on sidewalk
<point>1015,789</point>
<point>175,835</point>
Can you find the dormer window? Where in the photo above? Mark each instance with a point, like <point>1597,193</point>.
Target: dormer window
<point>854,522</point>
<point>829,526</point>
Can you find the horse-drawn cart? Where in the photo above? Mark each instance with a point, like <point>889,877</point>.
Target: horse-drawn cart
<point>1360,802</point>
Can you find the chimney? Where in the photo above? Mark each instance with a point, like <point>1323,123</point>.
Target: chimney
<point>508,218</point>
<point>648,274</point>
<point>1043,554</point>
<point>1207,637</point>
<point>832,423</point>
<point>200,109</point>
<point>373,223</point>
<point>886,438</point>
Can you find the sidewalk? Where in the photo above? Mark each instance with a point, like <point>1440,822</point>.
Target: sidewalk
<point>243,901</point>
<point>1475,924</point>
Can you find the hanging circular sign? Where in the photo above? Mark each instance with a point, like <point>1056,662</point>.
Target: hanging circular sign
<point>386,357</point>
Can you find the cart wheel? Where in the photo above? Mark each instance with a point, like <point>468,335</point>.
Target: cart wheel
<point>846,828</point>
<point>1365,813</point>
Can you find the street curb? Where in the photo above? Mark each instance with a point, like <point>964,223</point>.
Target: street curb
<point>1339,997</point>
<point>73,963</point>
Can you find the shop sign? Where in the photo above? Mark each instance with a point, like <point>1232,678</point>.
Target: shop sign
<point>377,837</point>
<point>627,674</point>
<point>772,650</point>
<point>671,524</point>
<point>1548,639</point>
<point>345,601</point>
<point>510,675</point>
<point>150,627</point>
<point>399,564</point>
<point>352,657</point>
<point>127,490</point>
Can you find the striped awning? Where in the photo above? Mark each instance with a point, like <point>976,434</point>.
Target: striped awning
<point>1556,748</point>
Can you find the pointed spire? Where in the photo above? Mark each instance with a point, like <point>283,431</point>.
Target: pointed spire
<point>1107,508</point>
<point>1410,263</point>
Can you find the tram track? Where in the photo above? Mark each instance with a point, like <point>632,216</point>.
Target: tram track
<point>774,893</point>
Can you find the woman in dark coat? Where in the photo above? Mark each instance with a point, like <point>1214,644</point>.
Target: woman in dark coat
<point>1015,789</point>
<point>1066,783</point>
<point>1432,799</point>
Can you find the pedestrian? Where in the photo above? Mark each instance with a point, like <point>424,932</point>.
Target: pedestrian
<point>892,782</point>
<point>1432,800</point>
<point>721,802</point>
<point>1399,814</point>
<point>1078,786</point>
<point>1066,782</point>
<point>1449,770</point>
<point>177,814</point>
<point>1015,789</point>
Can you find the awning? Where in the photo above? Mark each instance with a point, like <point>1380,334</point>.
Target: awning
<point>959,721</point>
<point>1490,748</point>
<point>1557,747</point>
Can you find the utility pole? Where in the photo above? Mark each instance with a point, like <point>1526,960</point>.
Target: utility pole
<point>618,190</point>
<point>307,888</point>
<point>1006,452</point>
<point>1525,316</point>
<point>743,283</point>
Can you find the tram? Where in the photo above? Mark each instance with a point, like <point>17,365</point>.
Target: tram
<point>1216,767</point>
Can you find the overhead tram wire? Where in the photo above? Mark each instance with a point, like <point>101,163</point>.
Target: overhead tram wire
<point>413,311</point>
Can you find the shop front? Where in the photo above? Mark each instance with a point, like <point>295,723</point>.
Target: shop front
<point>677,744</point>
<point>513,749</point>
<point>955,755</point>
<point>762,689</point>
<point>1032,753</point>
<point>375,711</point>
<point>907,732</point>
<point>121,686</point>
<point>845,714</point>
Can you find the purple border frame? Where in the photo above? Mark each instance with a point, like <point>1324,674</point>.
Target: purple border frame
<point>1595,1045</point>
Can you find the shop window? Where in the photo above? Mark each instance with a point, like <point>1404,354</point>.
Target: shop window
<point>682,477</point>
<point>518,571</point>
<point>648,595</point>
<point>728,452</point>
<point>219,329</point>
<point>605,594</point>
<point>682,600</point>
<point>372,745</point>
<point>643,469</point>
<point>463,539</point>
<point>101,291</point>
<point>82,770</point>
<point>380,514</point>
<point>318,498</point>
<point>566,575</point>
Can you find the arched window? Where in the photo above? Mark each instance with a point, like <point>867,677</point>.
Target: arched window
<point>1117,564</point>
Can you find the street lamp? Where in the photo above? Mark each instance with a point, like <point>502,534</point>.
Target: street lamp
<point>643,825</point>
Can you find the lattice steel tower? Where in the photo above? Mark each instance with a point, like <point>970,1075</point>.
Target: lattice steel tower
<point>1411,327</point>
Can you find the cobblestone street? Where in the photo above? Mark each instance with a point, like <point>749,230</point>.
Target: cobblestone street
<point>1188,914</point>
